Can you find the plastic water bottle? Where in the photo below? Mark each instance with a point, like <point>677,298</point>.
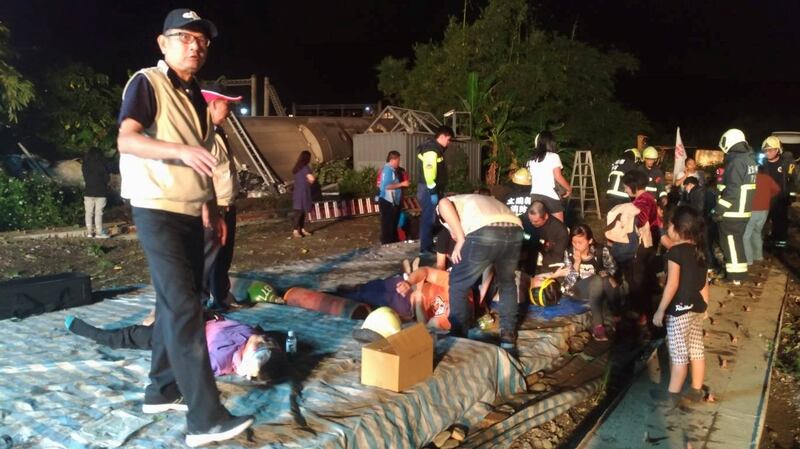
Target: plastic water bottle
<point>291,344</point>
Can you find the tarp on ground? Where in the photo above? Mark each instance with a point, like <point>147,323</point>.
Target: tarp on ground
<point>58,390</point>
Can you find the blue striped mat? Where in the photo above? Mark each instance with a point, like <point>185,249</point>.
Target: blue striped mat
<point>56,387</point>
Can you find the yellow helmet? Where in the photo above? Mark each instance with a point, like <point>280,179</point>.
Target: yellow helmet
<point>522,177</point>
<point>772,142</point>
<point>731,138</point>
<point>650,153</point>
<point>636,154</point>
<point>547,294</point>
<point>381,322</point>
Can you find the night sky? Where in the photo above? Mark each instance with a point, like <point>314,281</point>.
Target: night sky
<point>704,64</point>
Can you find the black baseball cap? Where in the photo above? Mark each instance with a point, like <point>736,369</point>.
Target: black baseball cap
<point>183,18</point>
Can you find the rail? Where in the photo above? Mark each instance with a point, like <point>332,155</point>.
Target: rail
<point>271,179</point>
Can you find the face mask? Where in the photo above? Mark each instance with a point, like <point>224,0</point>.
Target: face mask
<point>252,361</point>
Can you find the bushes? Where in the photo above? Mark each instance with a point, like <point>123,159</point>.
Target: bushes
<point>36,201</point>
<point>358,183</point>
<point>352,183</point>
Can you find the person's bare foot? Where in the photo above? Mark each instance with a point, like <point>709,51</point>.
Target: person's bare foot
<point>296,234</point>
<point>306,233</point>
<point>150,318</point>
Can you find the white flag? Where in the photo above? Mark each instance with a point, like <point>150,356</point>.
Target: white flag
<point>680,157</point>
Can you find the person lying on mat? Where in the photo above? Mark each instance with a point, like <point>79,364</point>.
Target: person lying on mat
<point>421,294</point>
<point>233,347</point>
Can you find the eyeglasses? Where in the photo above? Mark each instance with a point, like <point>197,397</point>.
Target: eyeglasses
<point>187,39</point>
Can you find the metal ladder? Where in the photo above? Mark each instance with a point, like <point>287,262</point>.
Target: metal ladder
<point>271,179</point>
<point>582,172</point>
<point>276,101</point>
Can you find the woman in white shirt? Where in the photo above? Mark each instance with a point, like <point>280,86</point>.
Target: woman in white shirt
<point>545,168</point>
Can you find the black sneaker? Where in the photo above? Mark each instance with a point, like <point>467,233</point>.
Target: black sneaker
<point>221,432</point>
<point>508,341</point>
<point>177,405</point>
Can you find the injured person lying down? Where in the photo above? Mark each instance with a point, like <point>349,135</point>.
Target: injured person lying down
<point>233,347</point>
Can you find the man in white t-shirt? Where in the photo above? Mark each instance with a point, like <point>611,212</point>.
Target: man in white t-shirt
<point>487,234</point>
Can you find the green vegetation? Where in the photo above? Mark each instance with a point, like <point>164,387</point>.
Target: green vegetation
<point>79,110</point>
<point>16,93</point>
<point>331,172</point>
<point>359,183</point>
<point>516,80</point>
<point>458,174</point>
<point>788,357</point>
<point>35,202</point>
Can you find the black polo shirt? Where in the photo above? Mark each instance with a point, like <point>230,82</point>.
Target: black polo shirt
<point>140,100</point>
<point>554,239</point>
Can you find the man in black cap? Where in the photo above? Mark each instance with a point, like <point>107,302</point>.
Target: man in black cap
<point>165,138</point>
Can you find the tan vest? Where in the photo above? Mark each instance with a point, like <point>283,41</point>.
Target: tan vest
<point>226,184</point>
<point>477,211</point>
<point>168,184</point>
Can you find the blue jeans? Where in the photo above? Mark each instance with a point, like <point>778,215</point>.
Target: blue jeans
<point>173,244</point>
<point>488,246</point>
<point>753,242</point>
<point>426,218</point>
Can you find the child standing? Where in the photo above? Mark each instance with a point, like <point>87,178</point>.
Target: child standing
<point>684,302</point>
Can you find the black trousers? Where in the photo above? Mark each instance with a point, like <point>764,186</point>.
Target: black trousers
<point>779,214</point>
<point>298,220</point>
<point>731,239</point>
<point>712,240</point>
<point>390,213</point>
<point>173,245</point>
<point>640,273</point>
<point>218,259</point>
<point>131,337</point>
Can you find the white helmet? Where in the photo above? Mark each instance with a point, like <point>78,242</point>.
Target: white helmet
<point>731,138</point>
<point>380,323</point>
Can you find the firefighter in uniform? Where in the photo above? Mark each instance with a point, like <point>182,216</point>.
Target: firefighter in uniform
<point>780,166</point>
<point>655,175</point>
<point>735,202</point>
<point>615,195</point>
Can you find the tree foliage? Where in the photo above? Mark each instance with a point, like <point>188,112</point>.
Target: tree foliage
<point>16,93</point>
<point>35,201</point>
<point>517,79</point>
<point>79,110</point>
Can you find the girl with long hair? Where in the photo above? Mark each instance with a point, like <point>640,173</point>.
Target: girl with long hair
<point>684,302</point>
<point>588,274</point>
<point>545,169</point>
<point>301,197</point>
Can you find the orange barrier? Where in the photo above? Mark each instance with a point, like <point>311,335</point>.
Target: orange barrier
<point>325,303</point>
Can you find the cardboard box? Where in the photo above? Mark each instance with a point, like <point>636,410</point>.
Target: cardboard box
<point>400,361</point>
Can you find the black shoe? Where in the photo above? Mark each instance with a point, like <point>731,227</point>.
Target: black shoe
<point>508,341</point>
<point>177,405</point>
<point>221,432</point>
